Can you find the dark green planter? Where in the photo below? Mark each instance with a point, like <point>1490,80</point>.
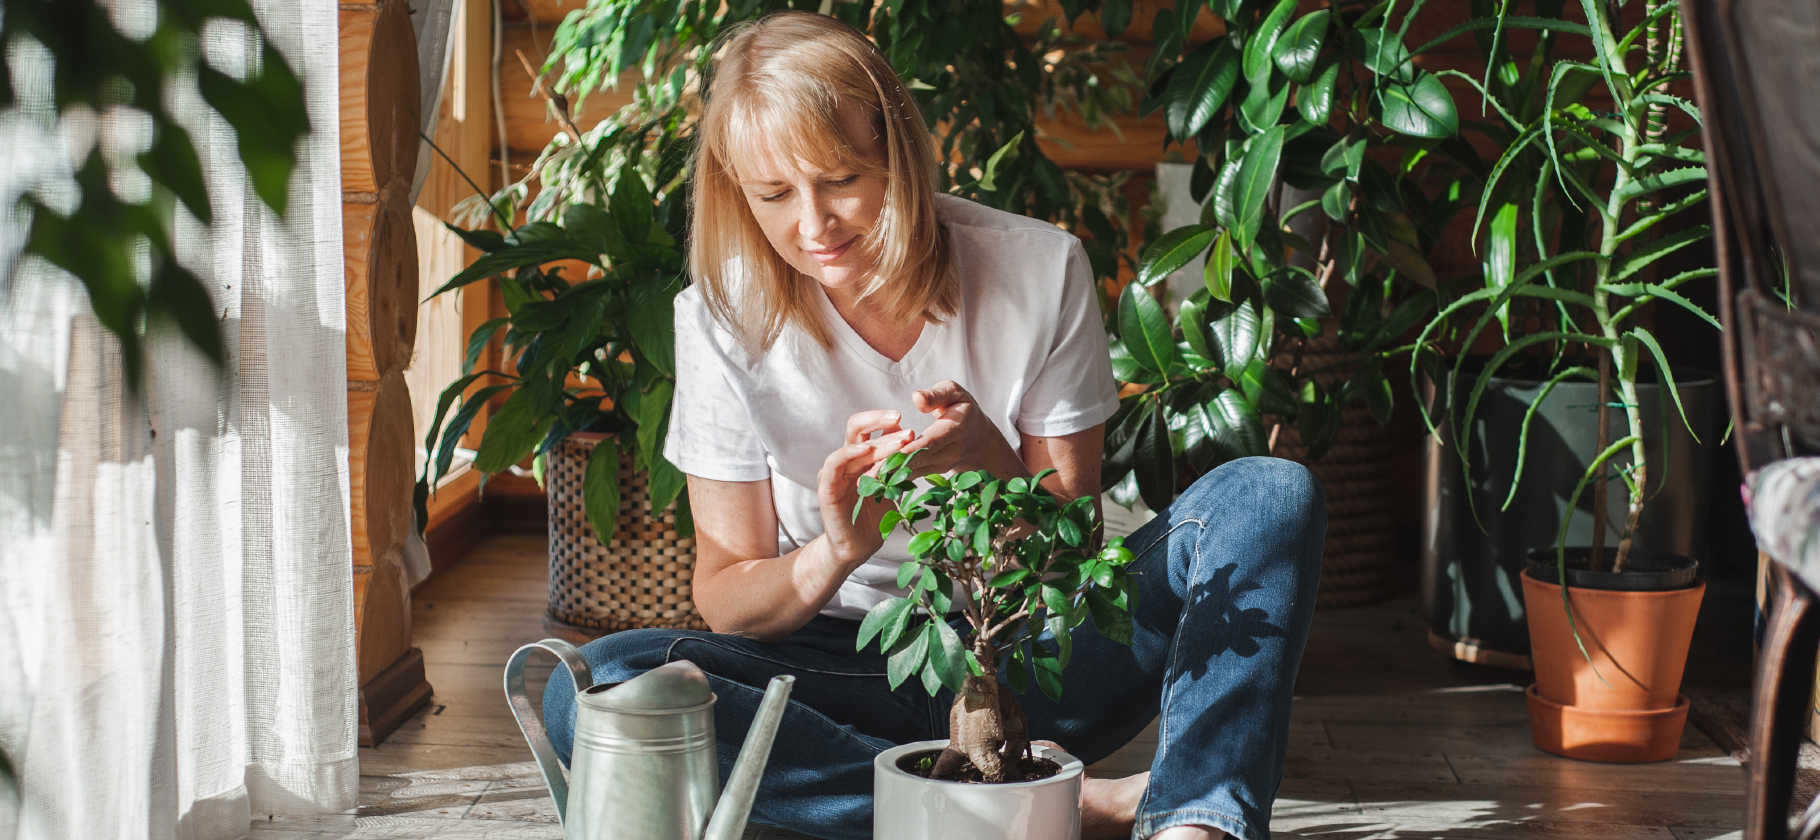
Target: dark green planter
<point>1471,595</point>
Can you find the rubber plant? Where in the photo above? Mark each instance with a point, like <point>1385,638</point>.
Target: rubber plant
<point>1020,562</point>
<point>114,237</point>
<point>595,351</point>
<point>1284,103</point>
<point>1573,215</point>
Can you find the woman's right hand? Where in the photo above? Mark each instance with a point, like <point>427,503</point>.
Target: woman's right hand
<point>838,485</point>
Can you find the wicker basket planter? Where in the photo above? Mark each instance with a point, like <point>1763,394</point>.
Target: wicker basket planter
<point>641,578</point>
<point>1359,561</point>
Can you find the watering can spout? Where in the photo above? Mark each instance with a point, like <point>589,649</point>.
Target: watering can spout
<point>729,819</point>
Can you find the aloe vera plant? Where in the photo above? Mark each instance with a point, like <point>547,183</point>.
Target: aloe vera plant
<point>1573,212</point>
<point>1013,561</point>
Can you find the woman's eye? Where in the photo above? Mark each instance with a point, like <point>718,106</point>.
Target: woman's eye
<point>777,197</point>
<point>845,181</point>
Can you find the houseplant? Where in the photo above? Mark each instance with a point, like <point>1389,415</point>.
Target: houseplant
<point>1576,206</point>
<point>1020,563</point>
<point>1298,208</point>
<point>614,197</point>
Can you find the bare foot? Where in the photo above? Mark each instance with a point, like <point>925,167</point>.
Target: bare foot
<point>1109,806</point>
<point>1189,832</point>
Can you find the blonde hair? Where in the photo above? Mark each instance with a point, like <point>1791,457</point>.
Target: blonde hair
<point>783,78</point>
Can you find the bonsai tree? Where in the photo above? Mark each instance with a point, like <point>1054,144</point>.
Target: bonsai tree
<point>1020,562</point>
<point>1574,212</point>
<point>1294,206</point>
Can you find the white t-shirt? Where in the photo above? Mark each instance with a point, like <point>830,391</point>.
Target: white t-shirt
<point>1027,343</point>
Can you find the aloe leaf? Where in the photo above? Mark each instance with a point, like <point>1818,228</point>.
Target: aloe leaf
<point>1636,260</point>
<point>1529,414</point>
<point>1644,337</point>
<point>1501,257</point>
<point>1522,141</point>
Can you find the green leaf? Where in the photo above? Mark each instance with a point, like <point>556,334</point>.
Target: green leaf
<point>477,343</point>
<point>1005,154</point>
<point>652,307</point>
<point>1265,387</point>
<point>1154,463</point>
<point>1176,249</point>
<point>1667,373</point>
<point>600,489</point>
<point>1199,87</point>
<point>1048,672</point>
<point>1383,53</point>
<point>887,523</point>
<point>923,543</point>
<point>1672,178</point>
<point>653,419</point>
<point>1261,42</point>
<point>589,226</point>
<point>1423,108</point>
<point>1194,328</point>
<point>1294,291</point>
<point>1109,619</point>
<point>1299,47</point>
<point>1009,577</point>
<point>499,262</point>
<point>667,484</point>
<point>512,433</point>
<point>1234,427</point>
<point>948,656</point>
<point>630,205</point>
<point>171,162</point>
<point>1218,273</point>
<point>1256,175</point>
<point>1235,337</point>
<point>1265,99</point>
<point>1315,99</point>
<point>908,658</point>
<point>1636,260</point>
<point>1145,329</point>
<point>1509,22</point>
<point>1501,256</point>
<point>881,615</point>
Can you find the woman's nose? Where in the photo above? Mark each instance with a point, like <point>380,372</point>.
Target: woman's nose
<point>817,216</point>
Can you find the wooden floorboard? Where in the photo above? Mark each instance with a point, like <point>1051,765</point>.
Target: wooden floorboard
<point>1388,739</point>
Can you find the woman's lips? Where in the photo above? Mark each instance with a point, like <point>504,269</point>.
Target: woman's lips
<point>833,253</point>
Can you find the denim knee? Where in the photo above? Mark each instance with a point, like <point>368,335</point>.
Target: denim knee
<point>1283,491</point>
<point>612,658</point>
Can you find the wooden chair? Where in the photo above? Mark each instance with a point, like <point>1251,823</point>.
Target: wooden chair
<point>1757,82</point>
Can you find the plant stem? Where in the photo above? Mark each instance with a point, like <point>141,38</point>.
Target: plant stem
<point>1596,561</point>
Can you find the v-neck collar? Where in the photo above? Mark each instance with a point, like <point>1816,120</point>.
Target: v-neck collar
<point>851,338</point>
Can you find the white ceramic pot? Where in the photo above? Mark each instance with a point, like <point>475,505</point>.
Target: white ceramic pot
<point>909,807</point>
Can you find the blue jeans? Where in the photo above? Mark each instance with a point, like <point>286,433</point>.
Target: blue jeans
<point>1226,579</point>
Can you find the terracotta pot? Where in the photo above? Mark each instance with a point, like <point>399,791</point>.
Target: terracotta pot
<point>1625,705</point>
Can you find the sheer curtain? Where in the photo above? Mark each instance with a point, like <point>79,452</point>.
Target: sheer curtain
<point>176,607</point>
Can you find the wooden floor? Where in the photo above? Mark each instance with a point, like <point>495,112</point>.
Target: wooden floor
<point>1389,740</point>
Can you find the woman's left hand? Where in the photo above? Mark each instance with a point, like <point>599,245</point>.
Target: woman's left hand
<point>962,437</point>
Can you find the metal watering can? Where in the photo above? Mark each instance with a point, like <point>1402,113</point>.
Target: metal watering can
<point>644,764</point>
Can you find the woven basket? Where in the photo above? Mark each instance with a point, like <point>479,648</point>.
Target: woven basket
<point>1359,563</point>
<point>641,578</point>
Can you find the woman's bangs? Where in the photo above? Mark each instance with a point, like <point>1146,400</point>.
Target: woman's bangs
<point>777,133</point>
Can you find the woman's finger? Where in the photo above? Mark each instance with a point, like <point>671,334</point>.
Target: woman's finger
<point>943,393</point>
<point>866,422</point>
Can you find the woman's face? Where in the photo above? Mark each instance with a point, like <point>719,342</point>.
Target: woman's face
<point>817,219</point>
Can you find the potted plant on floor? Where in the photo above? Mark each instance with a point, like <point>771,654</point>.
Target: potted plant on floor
<point>1019,563</point>
<point>1576,207</point>
<point>1294,211</point>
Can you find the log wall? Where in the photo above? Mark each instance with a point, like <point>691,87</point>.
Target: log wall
<point>380,115</point>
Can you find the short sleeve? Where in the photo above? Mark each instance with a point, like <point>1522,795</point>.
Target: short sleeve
<point>1075,389</point>
<point>711,433</point>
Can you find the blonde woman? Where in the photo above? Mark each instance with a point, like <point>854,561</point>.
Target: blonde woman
<point>843,310</point>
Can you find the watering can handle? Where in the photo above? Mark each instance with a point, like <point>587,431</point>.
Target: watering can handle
<point>532,725</point>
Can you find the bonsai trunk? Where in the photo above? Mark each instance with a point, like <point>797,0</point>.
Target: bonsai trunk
<point>986,726</point>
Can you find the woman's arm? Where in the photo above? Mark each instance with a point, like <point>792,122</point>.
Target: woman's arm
<point>741,586</point>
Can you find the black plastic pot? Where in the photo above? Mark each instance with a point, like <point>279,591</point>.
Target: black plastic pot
<point>1644,570</point>
<point>1474,546</point>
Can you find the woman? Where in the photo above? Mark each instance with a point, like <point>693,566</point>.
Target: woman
<point>842,311</point>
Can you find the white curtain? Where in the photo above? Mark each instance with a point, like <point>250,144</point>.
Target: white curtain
<point>176,602</point>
